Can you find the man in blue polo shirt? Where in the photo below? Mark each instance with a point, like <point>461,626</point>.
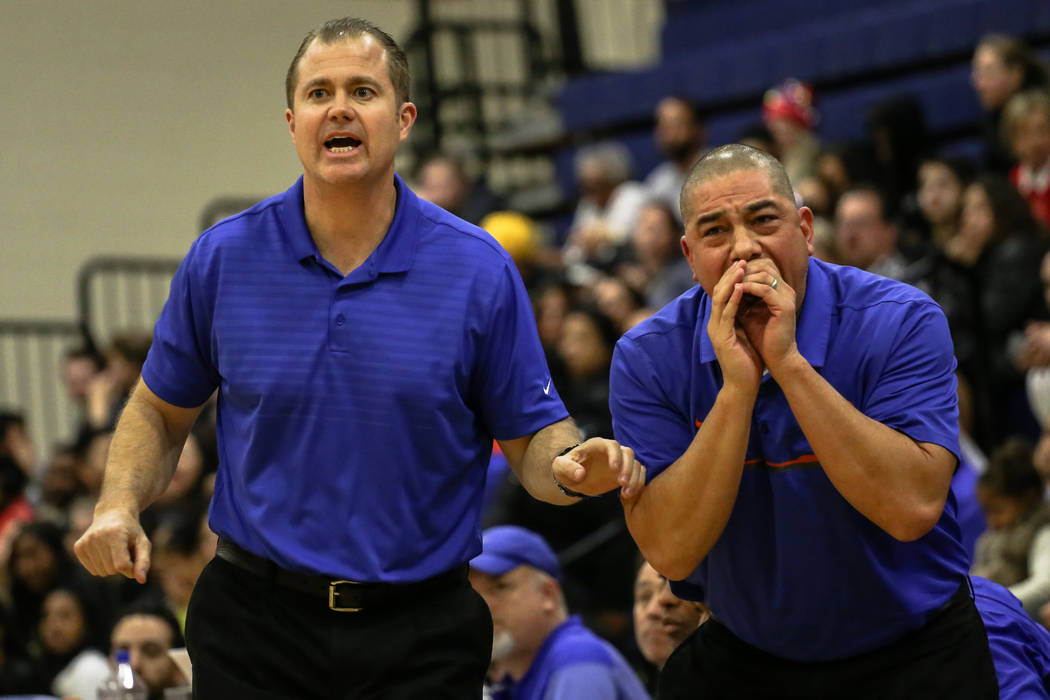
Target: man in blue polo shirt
<point>366,347</point>
<point>539,651</point>
<point>798,423</point>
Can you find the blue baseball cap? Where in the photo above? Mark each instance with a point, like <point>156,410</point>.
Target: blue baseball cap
<point>508,546</point>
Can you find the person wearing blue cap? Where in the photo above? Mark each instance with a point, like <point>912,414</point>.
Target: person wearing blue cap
<point>539,651</point>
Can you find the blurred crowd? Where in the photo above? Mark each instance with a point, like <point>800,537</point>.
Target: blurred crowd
<point>971,232</point>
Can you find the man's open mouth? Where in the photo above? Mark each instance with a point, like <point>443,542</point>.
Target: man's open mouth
<point>341,144</point>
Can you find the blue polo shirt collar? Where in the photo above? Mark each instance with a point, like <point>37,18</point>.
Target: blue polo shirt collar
<point>396,251</point>
<point>814,323</point>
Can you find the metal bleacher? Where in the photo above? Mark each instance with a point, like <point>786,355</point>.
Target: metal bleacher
<point>114,294</point>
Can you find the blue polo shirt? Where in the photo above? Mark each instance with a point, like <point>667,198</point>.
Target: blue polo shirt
<point>355,414</point>
<point>1019,645</point>
<point>798,572</point>
<point>574,663</point>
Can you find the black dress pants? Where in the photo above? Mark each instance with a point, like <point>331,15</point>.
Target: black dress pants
<point>249,637</point>
<point>946,659</point>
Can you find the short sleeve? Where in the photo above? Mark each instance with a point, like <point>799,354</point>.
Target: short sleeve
<point>915,393</point>
<point>512,383</point>
<point>644,417</point>
<point>179,367</point>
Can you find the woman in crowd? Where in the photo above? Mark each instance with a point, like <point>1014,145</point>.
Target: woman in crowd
<point>1003,247</point>
<point>69,643</point>
<point>1002,66</point>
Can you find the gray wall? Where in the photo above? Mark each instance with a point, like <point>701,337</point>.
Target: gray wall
<point>124,118</point>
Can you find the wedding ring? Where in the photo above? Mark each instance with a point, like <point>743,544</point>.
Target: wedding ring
<point>774,284</point>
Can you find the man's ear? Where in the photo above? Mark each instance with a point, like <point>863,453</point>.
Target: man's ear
<point>688,255</point>
<point>805,215</point>
<point>408,118</point>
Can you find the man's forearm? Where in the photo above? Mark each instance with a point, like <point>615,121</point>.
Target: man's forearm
<point>682,512</point>
<point>895,482</point>
<point>142,457</point>
<point>536,474</point>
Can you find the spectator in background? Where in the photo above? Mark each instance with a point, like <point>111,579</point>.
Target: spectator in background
<point>110,388</point>
<point>617,301</point>
<point>1034,358</point>
<point>79,514</point>
<point>539,651</point>
<point>789,113</point>
<point>68,656</point>
<point>79,369</point>
<point>864,237</point>
<point>1026,130</point>
<point>1002,66</point>
<point>551,300</point>
<point>177,558</point>
<point>815,193</point>
<point>953,285</point>
<point>148,632</point>
<point>941,181</point>
<point>899,139</point>
<point>442,180</point>
<point>661,272</point>
<point>14,507</point>
<point>38,564</point>
<point>91,460</point>
<point>662,620</point>
<point>59,485</point>
<point>679,136</point>
<point>758,136</point>
<point>16,442</point>
<point>519,236</point>
<point>1015,550</point>
<point>1003,248</point>
<point>897,128</point>
<point>586,346</point>
<point>607,210</point>
<point>841,165</point>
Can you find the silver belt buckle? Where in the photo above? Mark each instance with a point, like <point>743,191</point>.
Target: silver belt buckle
<point>331,597</point>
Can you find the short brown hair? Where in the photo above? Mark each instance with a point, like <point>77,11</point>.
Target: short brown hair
<point>351,28</point>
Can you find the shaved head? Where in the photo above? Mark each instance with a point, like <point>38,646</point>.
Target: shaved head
<point>732,158</point>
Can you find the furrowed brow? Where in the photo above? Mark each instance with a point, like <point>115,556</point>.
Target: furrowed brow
<point>710,216</point>
<point>760,204</point>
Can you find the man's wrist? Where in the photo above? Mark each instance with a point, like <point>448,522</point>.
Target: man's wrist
<point>794,361</point>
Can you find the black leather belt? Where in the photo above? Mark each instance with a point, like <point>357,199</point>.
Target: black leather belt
<point>342,595</point>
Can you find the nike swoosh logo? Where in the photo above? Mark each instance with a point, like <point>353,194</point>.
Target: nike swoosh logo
<point>547,389</point>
